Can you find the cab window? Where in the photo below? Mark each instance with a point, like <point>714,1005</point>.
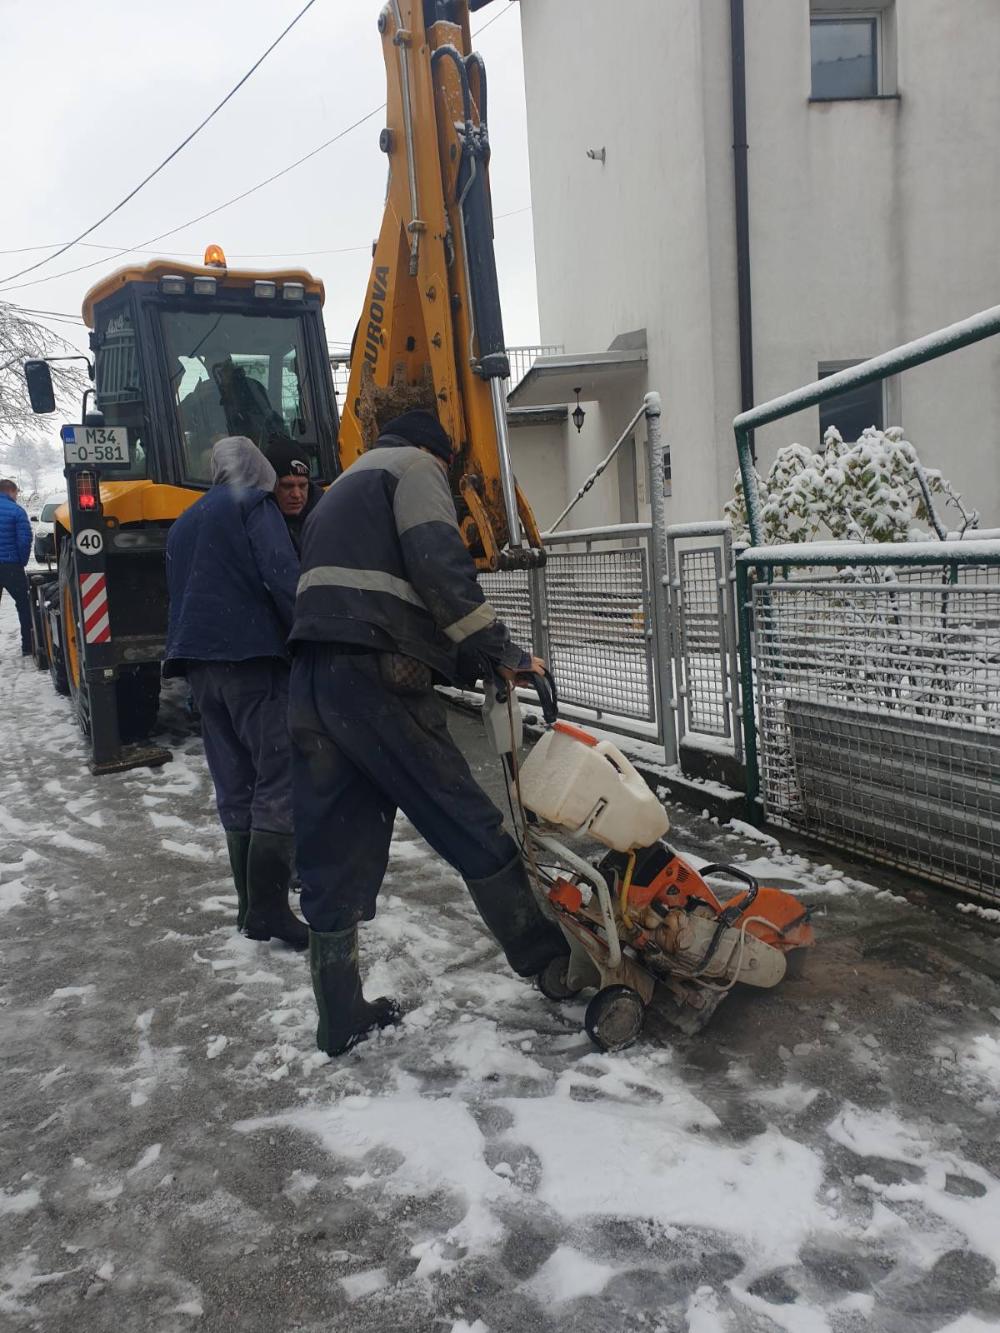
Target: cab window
<point>236,374</point>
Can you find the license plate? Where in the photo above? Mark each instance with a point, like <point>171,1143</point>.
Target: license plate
<point>105,446</point>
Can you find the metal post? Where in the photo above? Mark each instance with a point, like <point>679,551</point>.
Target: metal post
<point>746,673</point>
<point>731,637</point>
<point>538,603</point>
<point>506,468</point>
<point>663,675</point>
<point>675,610</point>
<point>748,476</point>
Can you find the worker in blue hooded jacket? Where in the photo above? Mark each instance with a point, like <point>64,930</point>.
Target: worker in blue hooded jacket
<point>15,547</point>
<point>231,577</point>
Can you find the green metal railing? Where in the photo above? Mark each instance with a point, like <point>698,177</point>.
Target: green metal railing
<point>950,339</point>
<point>766,559</point>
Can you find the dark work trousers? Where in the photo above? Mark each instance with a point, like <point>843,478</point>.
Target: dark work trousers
<point>244,724</point>
<point>359,751</point>
<point>14,580</point>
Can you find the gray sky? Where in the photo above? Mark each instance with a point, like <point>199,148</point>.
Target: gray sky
<point>106,89</point>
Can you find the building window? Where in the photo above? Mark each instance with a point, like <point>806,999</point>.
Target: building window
<point>853,49</point>
<point>855,410</point>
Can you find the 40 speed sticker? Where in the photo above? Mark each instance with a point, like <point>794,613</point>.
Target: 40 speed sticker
<point>90,541</point>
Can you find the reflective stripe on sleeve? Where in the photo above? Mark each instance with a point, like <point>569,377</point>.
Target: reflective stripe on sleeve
<point>480,617</point>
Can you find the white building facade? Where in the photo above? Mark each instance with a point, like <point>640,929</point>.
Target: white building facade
<point>872,216</point>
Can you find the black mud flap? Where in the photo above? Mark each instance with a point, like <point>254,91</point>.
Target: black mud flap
<point>132,756</point>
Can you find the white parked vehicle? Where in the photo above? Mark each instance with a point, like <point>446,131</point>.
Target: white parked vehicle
<point>43,520</point>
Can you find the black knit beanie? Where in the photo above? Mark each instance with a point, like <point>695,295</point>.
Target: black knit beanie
<point>287,459</point>
<point>423,430</point>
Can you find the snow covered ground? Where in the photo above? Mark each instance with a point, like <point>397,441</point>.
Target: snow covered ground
<point>175,1154</point>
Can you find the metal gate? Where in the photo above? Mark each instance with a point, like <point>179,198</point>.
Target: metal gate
<point>593,614</point>
<point>703,631</point>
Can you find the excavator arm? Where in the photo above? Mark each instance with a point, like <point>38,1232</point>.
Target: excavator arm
<point>431,333</point>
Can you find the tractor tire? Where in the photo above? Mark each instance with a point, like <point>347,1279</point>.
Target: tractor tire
<point>39,636</point>
<point>553,980</point>
<point>54,650</point>
<point>614,1017</point>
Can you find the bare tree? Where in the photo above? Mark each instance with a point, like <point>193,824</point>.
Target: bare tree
<point>27,460</point>
<point>22,339</point>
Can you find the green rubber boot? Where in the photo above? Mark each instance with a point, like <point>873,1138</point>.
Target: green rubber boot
<point>239,850</point>
<point>507,903</point>
<point>345,1016</point>
<point>269,872</point>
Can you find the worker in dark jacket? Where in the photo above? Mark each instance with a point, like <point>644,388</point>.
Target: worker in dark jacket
<point>296,494</point>
<point>387,600</point>
<point>15,547</point>
<point>231,576</point>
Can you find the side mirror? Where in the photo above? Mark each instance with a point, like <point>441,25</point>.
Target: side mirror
<point>39,380</point>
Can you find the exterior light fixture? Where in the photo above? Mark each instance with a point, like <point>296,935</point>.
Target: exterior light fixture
<point>578,413</point>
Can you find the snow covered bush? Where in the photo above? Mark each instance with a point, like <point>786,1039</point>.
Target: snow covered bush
<point>875,490</point>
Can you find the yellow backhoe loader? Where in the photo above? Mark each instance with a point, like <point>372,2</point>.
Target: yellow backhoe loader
<point>185,354</point>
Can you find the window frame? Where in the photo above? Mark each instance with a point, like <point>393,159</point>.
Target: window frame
<point>845,11</point>
<point>889,387</point>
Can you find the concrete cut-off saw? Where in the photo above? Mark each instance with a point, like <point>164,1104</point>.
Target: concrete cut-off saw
<point>639,919</point>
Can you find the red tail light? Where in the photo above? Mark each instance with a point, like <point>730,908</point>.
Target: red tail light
<point>86,490</point>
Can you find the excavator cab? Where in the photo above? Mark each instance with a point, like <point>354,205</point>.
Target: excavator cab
<point>185,355</point>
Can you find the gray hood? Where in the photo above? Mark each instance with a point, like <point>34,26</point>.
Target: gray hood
<point>236,461</point>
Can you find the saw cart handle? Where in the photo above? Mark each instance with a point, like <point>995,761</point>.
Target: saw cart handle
<point>548,697</point>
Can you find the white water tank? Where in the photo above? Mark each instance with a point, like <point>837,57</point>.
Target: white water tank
<point>580,783</point>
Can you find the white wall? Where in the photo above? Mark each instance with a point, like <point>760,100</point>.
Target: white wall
<point>871,222</point>
<point>625,245</point>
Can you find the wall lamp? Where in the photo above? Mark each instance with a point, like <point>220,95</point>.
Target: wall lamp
<point>578,413</point>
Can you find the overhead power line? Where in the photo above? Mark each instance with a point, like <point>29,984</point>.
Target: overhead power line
<point>170,157</point>
<point>253,254</point>
<point>142,245</point>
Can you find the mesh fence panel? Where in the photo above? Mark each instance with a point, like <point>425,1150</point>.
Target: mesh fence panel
<point>702,642</point>
<point>508,594</point>
<point>879,719</point>
<point>598,616</point>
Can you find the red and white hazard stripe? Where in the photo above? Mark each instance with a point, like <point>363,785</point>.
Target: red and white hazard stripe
<point>94,601</point>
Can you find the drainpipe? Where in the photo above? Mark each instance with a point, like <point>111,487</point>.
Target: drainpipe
<point>742,192</point>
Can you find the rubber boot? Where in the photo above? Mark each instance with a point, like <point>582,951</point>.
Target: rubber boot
<point>239,851</point>
<point>269,870</point>
<point>508,905</point>
<point>345,1016</point>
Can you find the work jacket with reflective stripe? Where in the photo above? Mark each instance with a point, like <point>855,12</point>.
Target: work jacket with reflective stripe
<point>384,566</point>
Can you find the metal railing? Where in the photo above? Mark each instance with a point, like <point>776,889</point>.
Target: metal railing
<point>917,353</point>
<point>521,359</point>
<point>524,357</point>
<point>704,634</point>
<point>878,702</point>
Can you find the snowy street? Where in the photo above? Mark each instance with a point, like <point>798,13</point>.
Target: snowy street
<point>176,1155</point>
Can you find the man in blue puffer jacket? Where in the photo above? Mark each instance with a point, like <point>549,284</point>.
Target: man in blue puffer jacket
<point>15,547</point>
<point>231,576</point>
